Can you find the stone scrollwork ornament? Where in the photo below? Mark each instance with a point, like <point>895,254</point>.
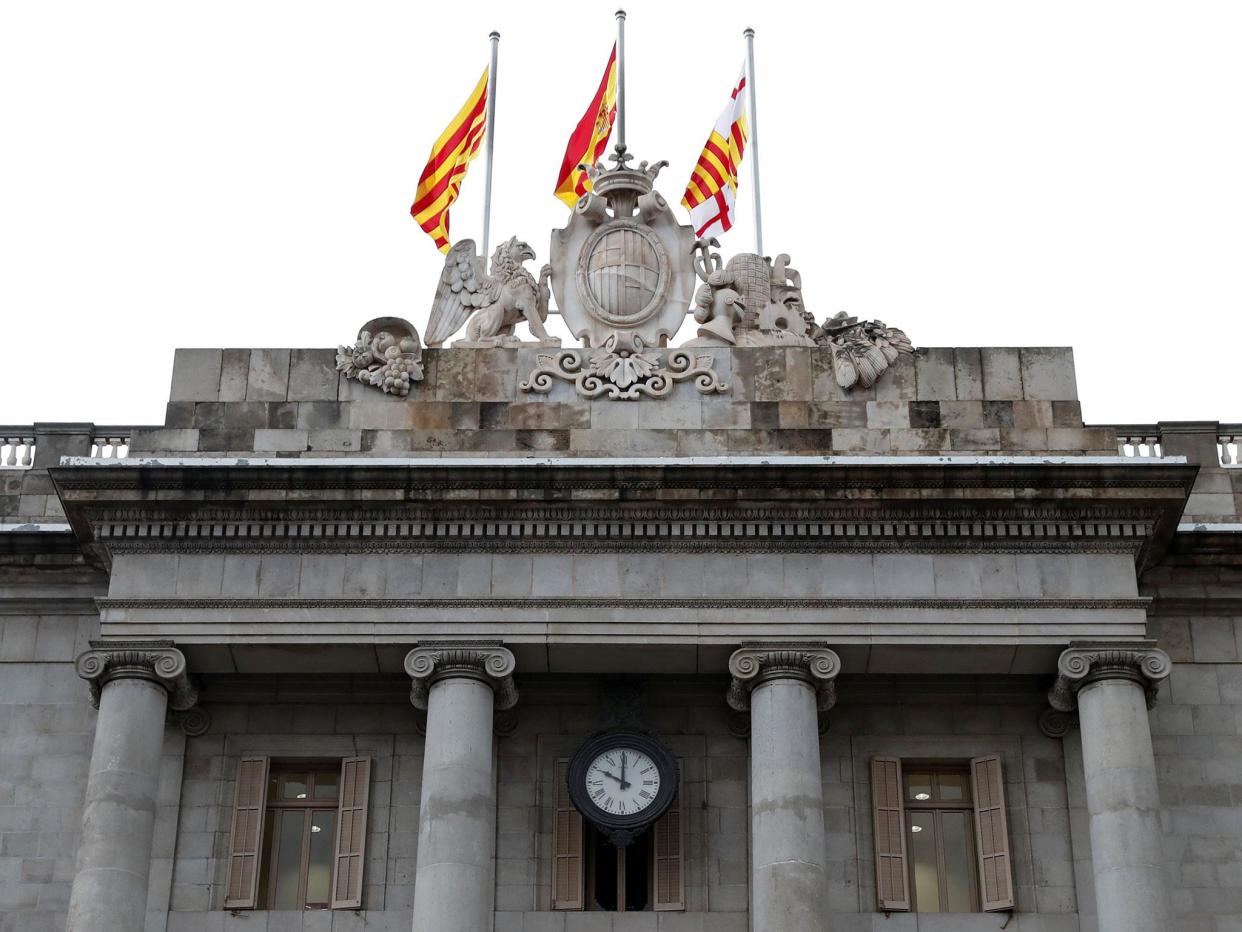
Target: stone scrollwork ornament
<point>386,355</point>
<point>1081,664</point>
<point>625,369</point>
<point>156,661</point>
<point>862,351</point>
<point>481,660</point>
<point>754,664</point>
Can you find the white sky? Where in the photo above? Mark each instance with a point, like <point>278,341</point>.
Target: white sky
<point>978,173</point>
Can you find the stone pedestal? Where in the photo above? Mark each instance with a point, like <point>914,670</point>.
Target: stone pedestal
<point>785,687</point>
<point>459,685</point>
<point>1112,685</point>
<point>132,685</point>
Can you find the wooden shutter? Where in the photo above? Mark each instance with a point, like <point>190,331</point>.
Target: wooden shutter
<point>351,833</point>
<point>992,833</point>
<point>567,860</point>
<point>246,841</point>
<point>668,845</point>
<point>888,809</point>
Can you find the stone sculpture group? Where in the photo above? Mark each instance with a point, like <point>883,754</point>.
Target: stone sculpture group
<point>623,272</point>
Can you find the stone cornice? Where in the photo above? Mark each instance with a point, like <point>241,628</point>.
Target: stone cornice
<point>755,664</point>
<point>584,602</point>
<point>1082,664</point>
<point>486,661</point>
<point>156,661</point>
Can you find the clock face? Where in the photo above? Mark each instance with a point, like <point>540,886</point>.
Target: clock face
<point>622,781</point>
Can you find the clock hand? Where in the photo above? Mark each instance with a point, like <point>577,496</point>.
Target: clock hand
<point>624,784</point>
<point>612,776</point>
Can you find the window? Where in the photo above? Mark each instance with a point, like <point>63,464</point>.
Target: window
<point>941,839</point>
<point>298,834</point>
<point>590,874</point>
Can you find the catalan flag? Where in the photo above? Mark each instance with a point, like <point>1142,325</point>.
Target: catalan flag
<point>590,137</point>
<point>450,157</point>
<point>713,184</point>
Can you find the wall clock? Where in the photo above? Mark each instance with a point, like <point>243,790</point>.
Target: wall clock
<point>622,782</point>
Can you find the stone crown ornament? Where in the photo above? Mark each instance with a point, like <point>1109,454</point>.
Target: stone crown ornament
<point>623,265</point>
<point>157,661</point>
<point>754,664</point>
<point>486,661</point>
<point>1083,664</point>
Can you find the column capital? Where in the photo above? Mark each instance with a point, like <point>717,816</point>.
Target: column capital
<point>486,661</point>
<point>754,664</point>
<point>157,661</point>
<point>1083,663</point>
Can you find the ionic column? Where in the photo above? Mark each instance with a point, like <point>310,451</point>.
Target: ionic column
<point>133,684</point>
<point>785,686</point>
<point>459,685</point>
<point>1112,686</point>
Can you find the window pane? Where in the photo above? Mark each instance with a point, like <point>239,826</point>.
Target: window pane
<point>289,859</point>
<point>923,861</point>
<point>319,873</point>
<point>959,877</point>
<point>325,783</point>
<point>289,785</point>
<point>918,786</point>
<point>952,786</point>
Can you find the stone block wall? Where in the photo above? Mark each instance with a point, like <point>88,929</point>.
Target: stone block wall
<point>290,402</point>
<point>1197,733</point>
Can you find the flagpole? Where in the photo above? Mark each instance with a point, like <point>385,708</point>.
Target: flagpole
<point>621,80</point>
<point>491,133</point>
<point>754,137</point>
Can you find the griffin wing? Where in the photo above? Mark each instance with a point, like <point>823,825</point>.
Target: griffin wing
<point>463,288</point>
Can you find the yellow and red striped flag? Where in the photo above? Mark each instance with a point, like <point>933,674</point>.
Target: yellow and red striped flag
<point>446,168</point>
<point>590,137</point>
<point>713,184</point>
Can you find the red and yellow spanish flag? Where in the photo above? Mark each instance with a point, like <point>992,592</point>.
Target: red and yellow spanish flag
<point>590,137</point>
<point>446,168</point>
<point>713,184</point>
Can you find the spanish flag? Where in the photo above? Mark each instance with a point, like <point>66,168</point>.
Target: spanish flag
<point>713,184</point>
<point>450,157</point>
<point>590,137</point>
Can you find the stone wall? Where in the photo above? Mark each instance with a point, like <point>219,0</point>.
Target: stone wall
<point>46,730</point>
<point>284,402</point>
<point>1197,732</point>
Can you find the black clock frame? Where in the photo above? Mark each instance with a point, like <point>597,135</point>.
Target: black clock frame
<point>622,829</point>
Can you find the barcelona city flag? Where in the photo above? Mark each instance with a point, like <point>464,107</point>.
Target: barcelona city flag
<point>712,190</point>
<point>446,168</point>
<point>590,137</point>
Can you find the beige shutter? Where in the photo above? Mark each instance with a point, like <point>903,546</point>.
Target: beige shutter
<point>668,845</point>
<point>246,842</point>
<point>992,833</point>
<point>567,860</point>
<point>888,809</point>
<point>351,833</point>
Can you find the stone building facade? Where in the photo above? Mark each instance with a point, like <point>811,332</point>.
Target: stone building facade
<point>314,656</point>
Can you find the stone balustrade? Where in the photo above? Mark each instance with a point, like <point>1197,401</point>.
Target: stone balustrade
<point>1147,440</point>
<point>17,447</point>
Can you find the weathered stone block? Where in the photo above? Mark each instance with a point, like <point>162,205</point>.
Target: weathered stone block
<point>1048,374</point>
<point>935,375</point>
<point>1002,373</point>
<point>268,379</point>
<point>196,375</point>
<point>313,375</point>
<point>968,373</point>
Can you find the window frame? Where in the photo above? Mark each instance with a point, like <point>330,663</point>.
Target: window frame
<point>269,853</point>
<point>936,807</point>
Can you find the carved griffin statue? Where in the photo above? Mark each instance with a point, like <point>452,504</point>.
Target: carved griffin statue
<point>495,303</point>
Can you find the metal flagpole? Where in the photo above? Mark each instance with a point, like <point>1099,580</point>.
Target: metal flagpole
<point>491,135</point>
<point>621,80</point>
<point>753,145</point>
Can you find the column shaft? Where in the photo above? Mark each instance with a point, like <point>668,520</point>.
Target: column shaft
<point>787,817</point>
<point>1124,807</point>
<point>118,823</point>
<point>454,884</point>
